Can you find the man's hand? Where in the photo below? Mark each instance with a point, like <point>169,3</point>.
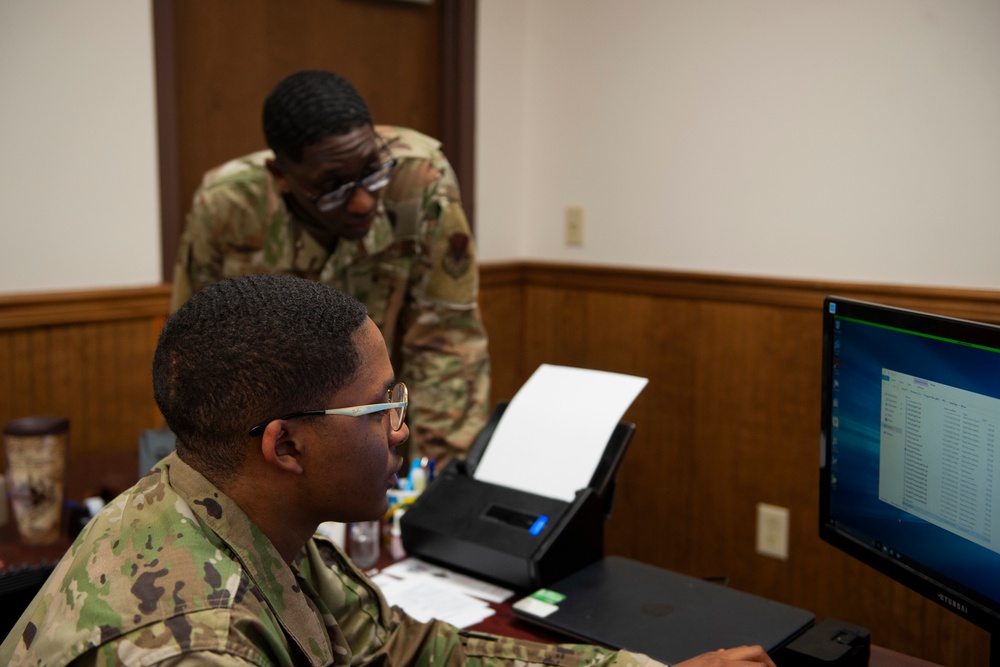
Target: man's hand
<point>741,656</point>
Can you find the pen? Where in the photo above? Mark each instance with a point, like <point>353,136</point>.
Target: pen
<point>476,635</point>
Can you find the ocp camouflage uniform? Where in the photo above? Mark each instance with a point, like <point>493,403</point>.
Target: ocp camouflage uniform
<point>173,573</point>
<point>415,270</point>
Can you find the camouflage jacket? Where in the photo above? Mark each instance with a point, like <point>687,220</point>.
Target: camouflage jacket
<point>415,270</point>
<point>173,573</point>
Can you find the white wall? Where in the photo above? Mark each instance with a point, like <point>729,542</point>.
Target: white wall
<point>850,140</point>
<point>79,200</point>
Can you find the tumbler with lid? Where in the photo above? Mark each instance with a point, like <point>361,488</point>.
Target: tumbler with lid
<point>36,461</point>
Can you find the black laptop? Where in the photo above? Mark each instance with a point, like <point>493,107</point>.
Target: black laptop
<point>622,603</point>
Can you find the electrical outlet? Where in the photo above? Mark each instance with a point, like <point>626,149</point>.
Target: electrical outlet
<point>772,531</point>
<point>574,225</point>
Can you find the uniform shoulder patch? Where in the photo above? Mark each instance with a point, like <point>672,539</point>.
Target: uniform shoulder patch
<point>457,259</point>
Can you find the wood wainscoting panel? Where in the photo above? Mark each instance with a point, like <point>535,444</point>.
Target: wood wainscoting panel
<point>501,303</point>
<point>86,356</point>
<point>730,418</point>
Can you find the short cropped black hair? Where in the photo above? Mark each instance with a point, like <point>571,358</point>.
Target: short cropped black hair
<point>249,349</point>
<point>310,106</point>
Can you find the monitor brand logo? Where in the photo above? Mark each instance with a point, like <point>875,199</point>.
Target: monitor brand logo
<point>954,604</point>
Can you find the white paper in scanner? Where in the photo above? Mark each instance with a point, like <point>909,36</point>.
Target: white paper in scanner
<point>553,433</point>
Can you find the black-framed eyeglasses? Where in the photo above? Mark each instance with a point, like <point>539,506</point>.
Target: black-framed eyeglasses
<point>372,183</point>
<point>397,398</point>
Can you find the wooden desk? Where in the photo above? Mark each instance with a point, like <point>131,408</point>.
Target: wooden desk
<point>15,554</point>
<point>104,475</point>
<point>113,473</point>
<point>504,622</point>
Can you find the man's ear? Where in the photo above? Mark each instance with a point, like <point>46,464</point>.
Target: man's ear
<point>281,445</point>
<point>278,174</point>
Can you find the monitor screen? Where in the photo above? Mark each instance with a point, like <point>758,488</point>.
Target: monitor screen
<point>909,474</point>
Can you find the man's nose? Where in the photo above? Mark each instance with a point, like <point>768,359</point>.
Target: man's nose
<point>399,437</point>
<point>361,201</point>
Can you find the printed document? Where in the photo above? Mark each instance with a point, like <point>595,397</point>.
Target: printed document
<point>553,433</point>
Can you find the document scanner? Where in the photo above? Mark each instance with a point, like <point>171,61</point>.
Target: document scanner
<point>508,536</point>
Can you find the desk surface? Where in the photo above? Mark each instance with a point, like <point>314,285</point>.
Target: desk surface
<point>101,475</point>
<point>505,623</point>
<point>104,475</point>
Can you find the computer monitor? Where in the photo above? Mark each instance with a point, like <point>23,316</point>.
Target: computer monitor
<point>910,467</point>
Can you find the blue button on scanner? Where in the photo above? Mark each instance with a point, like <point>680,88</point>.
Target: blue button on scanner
<point>538,525</point>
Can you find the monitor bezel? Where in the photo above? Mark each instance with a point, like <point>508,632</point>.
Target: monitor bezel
<point>927,582</point>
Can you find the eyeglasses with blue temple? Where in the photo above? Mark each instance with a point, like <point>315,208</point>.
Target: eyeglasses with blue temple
<point>398,398</point>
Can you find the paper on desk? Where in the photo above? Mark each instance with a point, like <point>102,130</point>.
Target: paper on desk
<point>425,591</point>
<point>553,433</point>
<point>414,568</point>
<point>424,599</point>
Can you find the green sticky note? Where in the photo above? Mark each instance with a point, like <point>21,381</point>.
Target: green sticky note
<point>545,595</point>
